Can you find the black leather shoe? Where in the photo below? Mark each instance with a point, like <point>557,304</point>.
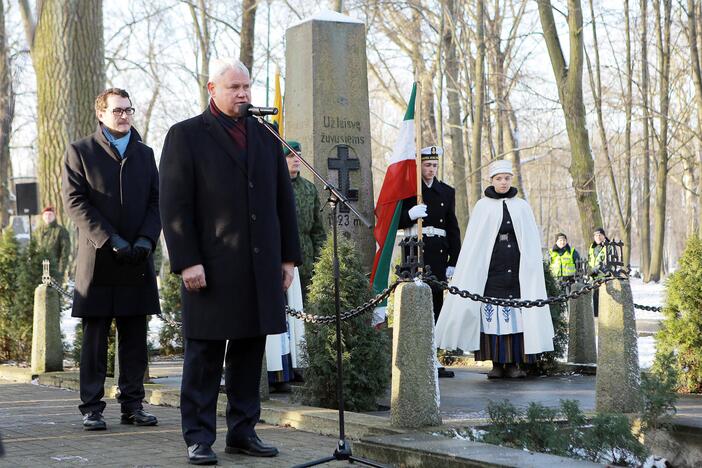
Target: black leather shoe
<point>201,454</point>
<point>251,446</point>
<point>139,418</point>
<point>282,387</point>
<point>443,373</point>
<point>93,421</point>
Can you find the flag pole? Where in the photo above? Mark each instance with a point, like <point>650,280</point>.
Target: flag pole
<point>418,143</point>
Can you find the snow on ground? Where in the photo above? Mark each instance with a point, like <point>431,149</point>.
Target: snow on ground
<point>647,351</point>
<point>651,294</point>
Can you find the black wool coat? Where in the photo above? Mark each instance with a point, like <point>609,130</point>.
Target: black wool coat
<point>104,194</point>
<point>439,252</point>
<point>232,211</point>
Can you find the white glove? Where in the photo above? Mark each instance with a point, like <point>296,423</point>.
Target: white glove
<point>418,211</point>
<point>450,271</point>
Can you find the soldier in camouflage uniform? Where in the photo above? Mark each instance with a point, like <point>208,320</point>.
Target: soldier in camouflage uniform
<point>55,241</point>
<point>309,217</point>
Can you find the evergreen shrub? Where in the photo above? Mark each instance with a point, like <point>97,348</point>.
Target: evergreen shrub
<point>679,334</point>
<point>366,351</point>
<point>170,337</point>
<point>20,274</point>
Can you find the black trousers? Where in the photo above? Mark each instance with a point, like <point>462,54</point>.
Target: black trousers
<point>202,373</point>
<point>133,359</point>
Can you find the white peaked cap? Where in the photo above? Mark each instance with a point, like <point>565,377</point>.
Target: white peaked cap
<point>501,166</point>
<point>432,151</point>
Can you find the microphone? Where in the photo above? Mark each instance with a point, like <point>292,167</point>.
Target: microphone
<point>249,110</point>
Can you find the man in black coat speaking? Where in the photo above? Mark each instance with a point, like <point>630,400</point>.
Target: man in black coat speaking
<point>228,214</point>
<point>110,191</point>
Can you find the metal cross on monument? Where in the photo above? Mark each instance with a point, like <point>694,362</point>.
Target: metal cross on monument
<point>344,165</point>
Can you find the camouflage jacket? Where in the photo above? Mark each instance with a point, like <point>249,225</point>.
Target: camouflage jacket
<point>310,226</point>
<point>54,239</point>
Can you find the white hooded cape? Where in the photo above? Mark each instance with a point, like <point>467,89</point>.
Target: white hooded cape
<point>459,323</point>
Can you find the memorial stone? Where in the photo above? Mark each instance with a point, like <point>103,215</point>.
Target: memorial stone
<point>327,111</point>
<point>47,346</point>
<point>582,347</point>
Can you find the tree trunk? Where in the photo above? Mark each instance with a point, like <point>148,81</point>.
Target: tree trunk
<point>458,157</point>
<point>596,86</point>
<point>659,213</point>
<point>570,91</point>
<point>479,102</point>
<point>646,162</point>
<point>512,146</point>
<point>694,21</point>
<point>67,48</point>
<point>626,235</point>
<point>7,101</point>
<point>202,57</point>
<point>248,22</point>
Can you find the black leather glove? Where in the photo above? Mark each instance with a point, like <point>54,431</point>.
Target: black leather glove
<point>121,248</point>
<point>141,249</point>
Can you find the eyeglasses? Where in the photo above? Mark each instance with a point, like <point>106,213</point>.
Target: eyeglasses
<point>118,111</point>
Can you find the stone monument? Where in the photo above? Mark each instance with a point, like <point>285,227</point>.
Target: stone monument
<point>326,110</point>
<point>618,375</point>
<point>415,385</point>
<point>47,347</point>
<point>582,348</point>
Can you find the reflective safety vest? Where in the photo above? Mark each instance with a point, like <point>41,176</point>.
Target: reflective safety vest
<point>595,261</point>
<point>564,264</point>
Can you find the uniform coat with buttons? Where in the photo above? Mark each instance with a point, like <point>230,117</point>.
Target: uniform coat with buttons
<point>104,194</point>
<point>439,251</point>
<point>233,212</point>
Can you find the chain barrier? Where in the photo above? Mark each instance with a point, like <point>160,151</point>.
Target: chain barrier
<point>524,304</point>
<point>648,308</point>
<point>370,305</point>
<point>374,302</point>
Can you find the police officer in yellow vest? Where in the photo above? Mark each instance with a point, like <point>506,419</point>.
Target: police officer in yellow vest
<point>596,256</point>
<point>563,258</point>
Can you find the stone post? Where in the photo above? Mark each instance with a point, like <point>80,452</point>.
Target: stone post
<point>47,347</point>
<point>327,111</point>
<point>582,348</point>
<point>415,385</point>
<point>263,385</point>
<point>618,375</point>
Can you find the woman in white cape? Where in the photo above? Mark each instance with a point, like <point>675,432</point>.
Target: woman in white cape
<point>500,257</point>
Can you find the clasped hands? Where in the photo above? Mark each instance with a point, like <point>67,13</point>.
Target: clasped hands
<point>128,253</point>
<point>194,277</point>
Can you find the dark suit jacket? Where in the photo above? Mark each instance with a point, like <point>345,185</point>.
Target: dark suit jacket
<point>104,194</point>
<point>234,213</point>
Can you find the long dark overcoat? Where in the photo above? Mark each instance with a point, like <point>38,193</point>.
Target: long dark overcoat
<point>234,213</point>
<point>104,194</point>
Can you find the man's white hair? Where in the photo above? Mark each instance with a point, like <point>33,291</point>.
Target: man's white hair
<point>220,66</point>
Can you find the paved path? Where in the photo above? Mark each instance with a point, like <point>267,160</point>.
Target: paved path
<point>41,426</point>
<point>466,396</point>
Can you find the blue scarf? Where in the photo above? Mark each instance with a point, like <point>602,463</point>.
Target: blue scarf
<point>119,143</point>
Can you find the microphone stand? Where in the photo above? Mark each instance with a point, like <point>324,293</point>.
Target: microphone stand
<point>343,449</point>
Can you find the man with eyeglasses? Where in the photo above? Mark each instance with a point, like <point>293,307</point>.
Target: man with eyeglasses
<point>110,192</point>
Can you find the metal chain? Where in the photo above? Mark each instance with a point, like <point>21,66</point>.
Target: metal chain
<point>649,308</point>
<point>370,305</point>
<point>524,304</point>
<point>52,283</point>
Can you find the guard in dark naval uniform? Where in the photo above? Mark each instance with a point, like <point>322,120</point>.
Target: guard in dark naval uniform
<point>440,232</point>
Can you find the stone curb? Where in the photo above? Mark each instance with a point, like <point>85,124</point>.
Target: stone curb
<point>422,449</point>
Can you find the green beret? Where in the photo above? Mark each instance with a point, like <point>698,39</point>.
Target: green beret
<point>294,144</point>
